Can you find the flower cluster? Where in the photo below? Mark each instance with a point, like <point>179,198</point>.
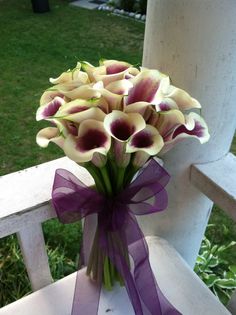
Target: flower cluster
<point>111,119</point>
<point>119,112</point>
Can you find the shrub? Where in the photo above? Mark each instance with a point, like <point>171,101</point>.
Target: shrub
<point>212,267</point>
<point>138,6</point>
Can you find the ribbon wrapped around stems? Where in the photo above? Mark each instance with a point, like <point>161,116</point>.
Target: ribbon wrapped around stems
<point>116,225</point>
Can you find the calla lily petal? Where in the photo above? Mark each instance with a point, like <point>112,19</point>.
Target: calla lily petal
<point>109,71</point>
<point>138,107</point>
<point>49,109</point>
<point>168,121</point>
<point>49,96</point>
<point>113,100</point>
<point>83,92</point>
<point>49,134</point>
<point>122,126</point>
<point>67,127</point>
<point>120,87</point>
<point>115,66</point>
<point>92,138</point>
<point>71,91</point>
<point>148,140</point>
<point>182,98</point>
<point>166,104</point>
<point>79,105</point>
<point>195,127</point>
<point>90,113</point>
<point>71,75</point>
<point>197,130</point>
<point>146,86</point>
<point>108,78</point>
<point>89,69</point>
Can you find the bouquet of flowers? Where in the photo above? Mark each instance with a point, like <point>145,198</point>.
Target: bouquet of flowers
<point>115,120</point>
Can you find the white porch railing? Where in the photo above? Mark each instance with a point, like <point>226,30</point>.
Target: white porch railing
<point>24,205</point>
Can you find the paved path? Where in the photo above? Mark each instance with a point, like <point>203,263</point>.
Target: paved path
<point>88,4</point>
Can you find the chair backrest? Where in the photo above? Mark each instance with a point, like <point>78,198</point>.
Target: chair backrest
<point>25,205</point>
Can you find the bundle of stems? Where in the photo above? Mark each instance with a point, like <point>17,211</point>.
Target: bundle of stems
<point>110,179</point>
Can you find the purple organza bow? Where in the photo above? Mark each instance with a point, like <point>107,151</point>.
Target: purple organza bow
<point>146,194</point>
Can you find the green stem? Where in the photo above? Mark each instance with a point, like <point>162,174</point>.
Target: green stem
<point>111,266</point>
<point>106,180</point>
<point>113,172</point>
<point>120,179</point>
<point>98,181</point>
<point>106,274</point>
<point>129,176</point>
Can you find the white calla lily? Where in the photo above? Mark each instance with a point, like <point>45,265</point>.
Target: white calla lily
<point>49,96</point>
<point>71,75</point>
<point>92,138</point>
<point>194,127</point>
<point>49,134</point>
<point>147,140</point>
<point>79,105</point>
<point>147,86</point>
<point>122,126</point>
<point>50,109</point>
<point>168,121</point>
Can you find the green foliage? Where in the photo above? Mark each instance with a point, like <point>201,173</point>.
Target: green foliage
<point>127,5</point>
<point>212,267</point>
<point>14,282</point>
<point>143,6</point>
<point>138,6</point>
<point>66,236</point>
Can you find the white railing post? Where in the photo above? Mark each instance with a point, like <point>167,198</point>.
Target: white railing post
<point>33,249</point>
<point>195,43</point>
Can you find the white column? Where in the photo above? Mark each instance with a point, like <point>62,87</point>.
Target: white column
<point>194,41</point>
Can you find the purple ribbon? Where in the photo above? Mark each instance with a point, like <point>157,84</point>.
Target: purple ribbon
<point>73,201</point>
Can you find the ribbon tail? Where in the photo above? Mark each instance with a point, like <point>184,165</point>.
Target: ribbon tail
<point>154,300</point>
<point>86,295</point>
<point>87,292</point>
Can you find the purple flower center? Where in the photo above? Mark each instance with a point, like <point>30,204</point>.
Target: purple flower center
<point>122,130</point>
<point>198,130</point>
<point>52,108</point>
<point>142,139</point>
<point>164,107</point>
<point>92,139</point>
<point>116,68</point>
<point>143,91</point>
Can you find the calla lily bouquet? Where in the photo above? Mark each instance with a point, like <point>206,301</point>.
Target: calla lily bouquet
<point>112,119</point>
